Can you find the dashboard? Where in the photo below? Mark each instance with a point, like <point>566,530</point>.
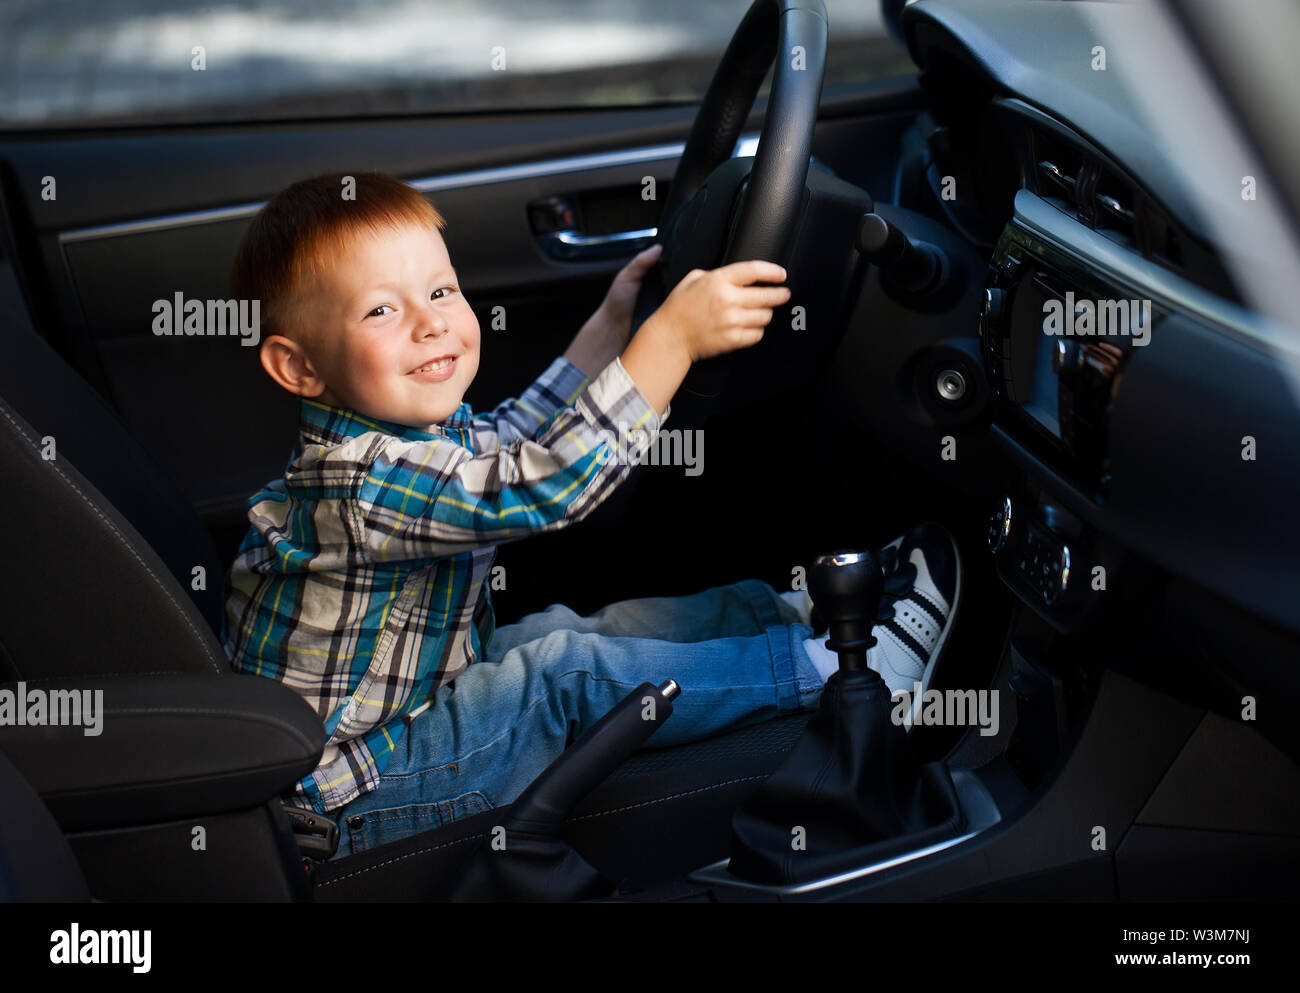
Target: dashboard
<point>1144,401</point>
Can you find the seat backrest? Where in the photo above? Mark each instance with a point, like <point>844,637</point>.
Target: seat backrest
<point>58,404</point>
<point>81,591</point>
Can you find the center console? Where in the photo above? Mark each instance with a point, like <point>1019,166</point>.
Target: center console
<point>1055,340</point>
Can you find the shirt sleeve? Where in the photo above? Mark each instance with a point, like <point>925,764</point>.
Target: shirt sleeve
<point>516,419</point>
<point>430,498</point>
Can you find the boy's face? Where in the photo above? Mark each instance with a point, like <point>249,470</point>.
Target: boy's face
<point>376,318</point>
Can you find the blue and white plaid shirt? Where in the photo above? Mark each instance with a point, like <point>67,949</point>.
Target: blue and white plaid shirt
<point>359,581</point>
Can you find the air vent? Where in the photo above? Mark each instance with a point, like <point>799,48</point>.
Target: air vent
<point>1157,237</point>
<point>1063,180</point>
<point>1092,187</point>
<point>1125,214</point>
<point>1057,165</point>
<point>1115,209</point>
<point>1077,181</point>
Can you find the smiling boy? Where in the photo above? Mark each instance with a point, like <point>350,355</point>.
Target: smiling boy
<point>361,581</point>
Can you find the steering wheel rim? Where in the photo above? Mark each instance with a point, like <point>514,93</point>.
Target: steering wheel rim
<point>766,210</point>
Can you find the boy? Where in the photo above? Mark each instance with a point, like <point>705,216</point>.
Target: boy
<point>360,583</point>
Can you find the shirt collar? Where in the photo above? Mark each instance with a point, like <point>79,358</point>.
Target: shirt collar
<point>323,424</point>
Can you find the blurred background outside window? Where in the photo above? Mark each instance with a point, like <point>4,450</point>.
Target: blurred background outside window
<point>73,63</point>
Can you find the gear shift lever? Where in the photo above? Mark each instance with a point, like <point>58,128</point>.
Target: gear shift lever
<point>850,792</point>
<point>846,587</point>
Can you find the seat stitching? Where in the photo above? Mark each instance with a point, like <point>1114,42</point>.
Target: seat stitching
<point>671,796</point>
<point>400,858</point>
<point>475,837</point>
<point>122,539</point>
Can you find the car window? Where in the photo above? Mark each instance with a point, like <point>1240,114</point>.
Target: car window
<point>77,62</point>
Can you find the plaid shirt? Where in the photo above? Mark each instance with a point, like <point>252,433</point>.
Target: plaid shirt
<point>360,583</point>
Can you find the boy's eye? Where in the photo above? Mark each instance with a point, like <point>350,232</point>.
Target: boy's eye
<point>378,311</point>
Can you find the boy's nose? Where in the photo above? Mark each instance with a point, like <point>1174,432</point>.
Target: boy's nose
<point>430,324</point>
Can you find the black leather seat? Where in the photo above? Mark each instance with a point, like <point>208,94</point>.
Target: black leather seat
<point>99,587</point>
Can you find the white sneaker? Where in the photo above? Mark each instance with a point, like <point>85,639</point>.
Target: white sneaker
<point>922,590</point>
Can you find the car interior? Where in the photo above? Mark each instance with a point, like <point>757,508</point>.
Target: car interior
<point>1130,589</point>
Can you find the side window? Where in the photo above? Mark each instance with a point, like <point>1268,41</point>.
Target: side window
<point>87,62</point>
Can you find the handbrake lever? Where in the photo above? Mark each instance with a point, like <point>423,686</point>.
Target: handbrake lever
<point>534,863</point>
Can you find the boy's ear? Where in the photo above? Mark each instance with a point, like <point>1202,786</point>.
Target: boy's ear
<point>287,362</point>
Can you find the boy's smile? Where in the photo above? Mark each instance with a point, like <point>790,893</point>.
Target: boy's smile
<point>385,330</point>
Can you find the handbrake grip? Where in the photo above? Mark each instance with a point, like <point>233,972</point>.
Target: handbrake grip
<point>581,767</point>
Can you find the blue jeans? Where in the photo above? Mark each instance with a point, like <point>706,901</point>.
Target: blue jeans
<point>736,651</point>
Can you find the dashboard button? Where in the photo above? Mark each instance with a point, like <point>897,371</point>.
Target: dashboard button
<point>1000,525</point>
<point>992,319</point>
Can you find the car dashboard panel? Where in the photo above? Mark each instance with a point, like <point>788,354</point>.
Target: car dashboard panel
<point>1146,405</point>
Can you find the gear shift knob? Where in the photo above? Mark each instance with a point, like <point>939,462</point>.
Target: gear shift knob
<point>846,587</point>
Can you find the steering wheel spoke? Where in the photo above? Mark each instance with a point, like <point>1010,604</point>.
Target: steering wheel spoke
<point>721,209</point>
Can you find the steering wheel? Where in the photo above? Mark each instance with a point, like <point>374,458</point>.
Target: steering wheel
<point>721,210</point>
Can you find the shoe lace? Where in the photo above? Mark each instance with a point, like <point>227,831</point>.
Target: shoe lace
<point>899,579</point>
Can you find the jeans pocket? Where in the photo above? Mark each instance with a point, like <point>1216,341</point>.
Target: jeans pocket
<point>388,824</point>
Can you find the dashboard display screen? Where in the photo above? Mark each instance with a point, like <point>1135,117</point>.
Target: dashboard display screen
<point>1033,379</point>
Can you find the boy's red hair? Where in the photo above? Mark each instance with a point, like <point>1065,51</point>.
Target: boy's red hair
<point>294,234</point>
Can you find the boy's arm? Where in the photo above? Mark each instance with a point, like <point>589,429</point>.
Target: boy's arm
<point>515,419</point>
<point>596,345</point>
<point>420,499</point>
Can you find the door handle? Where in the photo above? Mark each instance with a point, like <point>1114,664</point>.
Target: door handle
<point>556,224</point>
<point>569,245</point>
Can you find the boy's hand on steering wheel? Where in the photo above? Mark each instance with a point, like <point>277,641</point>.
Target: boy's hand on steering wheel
<point>717,310</point>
